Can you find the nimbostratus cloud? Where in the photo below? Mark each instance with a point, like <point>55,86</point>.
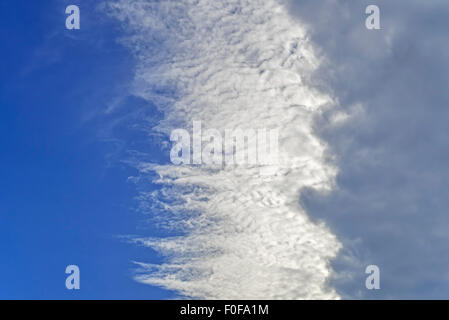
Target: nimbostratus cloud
<point>233,64</point>
<point>389,205</point>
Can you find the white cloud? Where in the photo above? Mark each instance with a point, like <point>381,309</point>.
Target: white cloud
<point>234,64</point>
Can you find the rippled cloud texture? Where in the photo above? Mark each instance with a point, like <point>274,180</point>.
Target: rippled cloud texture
<point>363,146</point>
<point>234,64</point>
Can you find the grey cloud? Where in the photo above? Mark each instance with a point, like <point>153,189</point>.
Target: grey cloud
<point>390,206</point>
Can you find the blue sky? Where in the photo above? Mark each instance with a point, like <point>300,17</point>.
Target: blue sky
<point>64,194</point>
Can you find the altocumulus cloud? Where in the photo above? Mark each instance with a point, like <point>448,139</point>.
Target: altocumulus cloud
<point>243,232</point>
<point>370,103</point>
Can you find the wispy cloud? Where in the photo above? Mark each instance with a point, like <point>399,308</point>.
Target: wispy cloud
<point>233,64</point>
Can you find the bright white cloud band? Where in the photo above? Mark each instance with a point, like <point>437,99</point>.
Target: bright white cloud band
<point>234,64</point>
